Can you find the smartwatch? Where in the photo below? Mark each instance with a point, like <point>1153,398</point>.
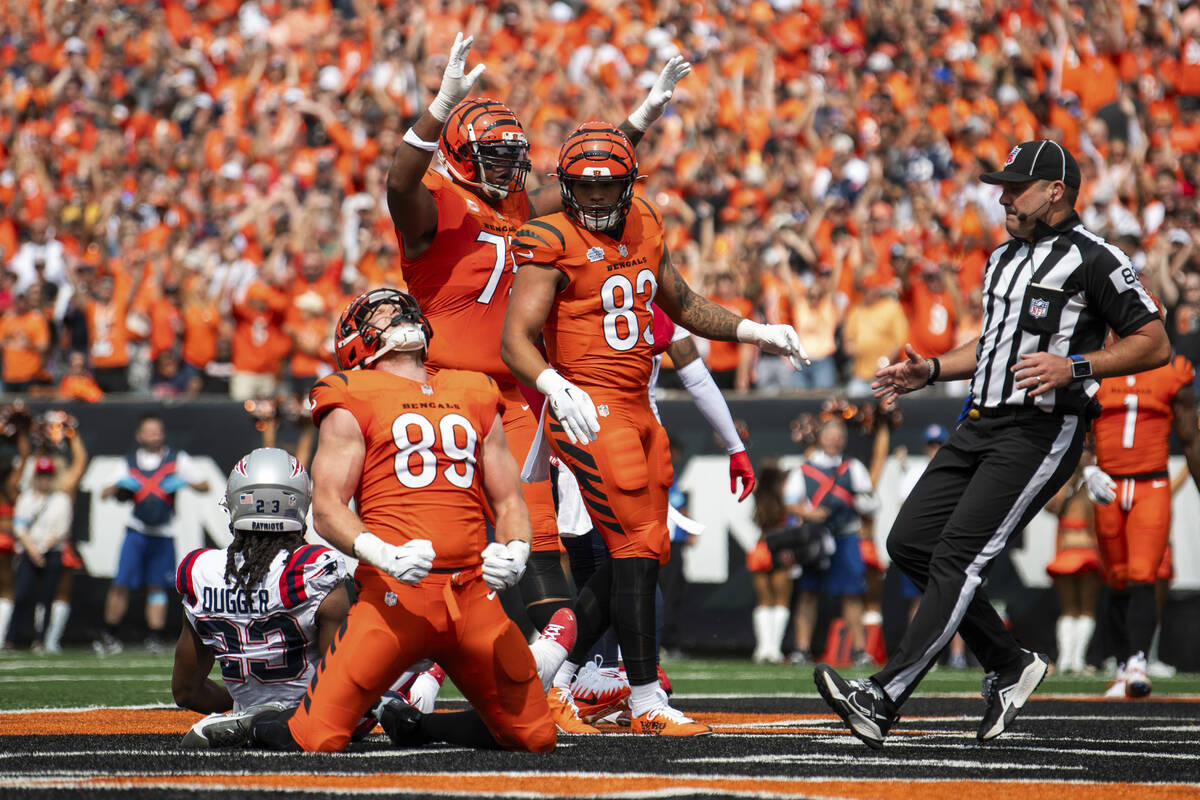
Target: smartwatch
<point>1080,367</point>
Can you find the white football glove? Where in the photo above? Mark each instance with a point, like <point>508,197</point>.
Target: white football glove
<point>571,406</point>
<point>503,565</point>
<point>660,93</point>
<point>779,340</point>
<point>408,563</point>
<point>1100,487</point>
<point>455,85</point>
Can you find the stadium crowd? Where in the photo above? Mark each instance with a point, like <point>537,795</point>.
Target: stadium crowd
<point>189,192</point>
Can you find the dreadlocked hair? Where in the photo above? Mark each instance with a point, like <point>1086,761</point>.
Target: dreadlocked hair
<point>258,550</point>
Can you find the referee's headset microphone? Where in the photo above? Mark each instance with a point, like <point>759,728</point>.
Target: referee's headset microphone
<point>1022,216</point>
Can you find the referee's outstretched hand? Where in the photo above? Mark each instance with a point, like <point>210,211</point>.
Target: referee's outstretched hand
<point>902,377</point>
<point>1039,373</point>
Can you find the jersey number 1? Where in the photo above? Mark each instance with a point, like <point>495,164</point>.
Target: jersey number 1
<point>1130,421</point>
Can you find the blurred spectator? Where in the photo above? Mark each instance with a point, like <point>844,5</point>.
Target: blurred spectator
<point>202,138</point>
<point>14,430</point>
<point>874,333</point>
<point>24,342</point>
<point>817,313</point>
<point>42,525</point>
<point>729,362</point>
<point>78,383</point>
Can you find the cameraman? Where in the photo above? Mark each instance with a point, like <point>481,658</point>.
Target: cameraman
<point>834,490</point>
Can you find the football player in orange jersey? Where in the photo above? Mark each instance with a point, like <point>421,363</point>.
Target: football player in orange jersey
<point>1131,488</point>
<point>422,456</point>
<point>587,280</point>
<point>454,221</point>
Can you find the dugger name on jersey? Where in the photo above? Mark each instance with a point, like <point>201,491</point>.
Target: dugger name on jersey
<point>215,600</point>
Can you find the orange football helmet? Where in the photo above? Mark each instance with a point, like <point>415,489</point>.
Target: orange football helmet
<point>360,339</point>
<point>596,152</point>
<point>484,146</point>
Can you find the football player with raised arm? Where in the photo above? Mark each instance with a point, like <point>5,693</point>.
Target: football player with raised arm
<point>454,220</point>
<point>587,280</point>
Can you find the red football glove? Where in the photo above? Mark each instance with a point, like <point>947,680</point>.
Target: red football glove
<point>739,467</point>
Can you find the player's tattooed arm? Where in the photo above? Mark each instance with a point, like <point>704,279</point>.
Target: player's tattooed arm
<point>698,314</point>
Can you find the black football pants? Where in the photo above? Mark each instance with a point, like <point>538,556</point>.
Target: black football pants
<point>988,481</point>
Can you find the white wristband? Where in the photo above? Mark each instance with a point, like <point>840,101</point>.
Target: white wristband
<point>747,331</point>
<point>369,548</point>
<point>643,117</point>
<point>549,381</point>
<point>410,137</point>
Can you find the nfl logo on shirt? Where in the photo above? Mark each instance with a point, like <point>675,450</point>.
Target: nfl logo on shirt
<point>1039,307</point>
<point>426,389</point>
<point>623,250</point>
<point>245,498</point>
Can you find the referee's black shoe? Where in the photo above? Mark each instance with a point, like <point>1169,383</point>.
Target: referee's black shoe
<point>862,704</point>
<point>1006,693</point>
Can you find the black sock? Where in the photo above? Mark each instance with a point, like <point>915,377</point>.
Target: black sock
<point>592,612</point>
<point>1142,616</point>
<point>1118,622</point>
<point>464,728</point>
<point>634,580</point>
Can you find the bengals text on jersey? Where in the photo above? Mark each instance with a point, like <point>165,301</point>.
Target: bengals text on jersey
<point>462,281</point>
<point>420,477</point>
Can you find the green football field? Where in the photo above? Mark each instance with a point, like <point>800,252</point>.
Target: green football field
<point>79,679</point>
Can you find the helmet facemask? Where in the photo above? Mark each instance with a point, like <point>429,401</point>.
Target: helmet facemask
<point>597,216</point>
<point>597,153</point>
<point>379,322</point>
<point>483,146</point>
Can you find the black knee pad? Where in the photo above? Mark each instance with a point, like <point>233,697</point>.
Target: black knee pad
<point>544,587</point>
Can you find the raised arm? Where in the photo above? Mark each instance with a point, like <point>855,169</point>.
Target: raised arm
<point>410,203</point>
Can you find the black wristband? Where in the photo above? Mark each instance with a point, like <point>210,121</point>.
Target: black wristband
<point>935,370</point>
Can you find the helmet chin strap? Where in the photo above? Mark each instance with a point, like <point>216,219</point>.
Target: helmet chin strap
<point>401,338</point>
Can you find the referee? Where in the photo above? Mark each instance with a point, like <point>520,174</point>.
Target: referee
<point>1050,295</point>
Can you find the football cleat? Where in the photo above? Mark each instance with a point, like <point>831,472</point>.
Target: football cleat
<point>599,691</point>
<point>662,720</point>
<point>1116,687</point>
<point>862,704</point>
<point>552,645</point>
<point>400,720</point>
<point>1006,693</point>
<point>226,730</point>
<point>1136,682</point>
<point>107,645</point>
<point>565,713</point>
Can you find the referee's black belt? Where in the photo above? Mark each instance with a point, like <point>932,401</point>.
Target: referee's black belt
<point>1141,476</point>
<point>976,412</point>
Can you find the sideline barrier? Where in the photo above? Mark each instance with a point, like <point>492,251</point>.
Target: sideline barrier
<point>718,593</point>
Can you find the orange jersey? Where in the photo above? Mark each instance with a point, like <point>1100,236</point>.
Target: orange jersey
<point>420,478</point>
<point>1134,427</point>
<point>462,281</point>
<point>600,330</point>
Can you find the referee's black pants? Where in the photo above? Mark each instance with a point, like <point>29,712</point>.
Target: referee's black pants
<point>989,480</point>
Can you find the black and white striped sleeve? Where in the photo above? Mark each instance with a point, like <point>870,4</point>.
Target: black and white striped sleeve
<point>1114,291</point>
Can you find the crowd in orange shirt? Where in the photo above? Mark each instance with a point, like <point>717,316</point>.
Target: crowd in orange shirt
<point>190,192</point>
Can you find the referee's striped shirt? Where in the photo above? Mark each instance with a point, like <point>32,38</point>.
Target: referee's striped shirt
<point>1059,293</point>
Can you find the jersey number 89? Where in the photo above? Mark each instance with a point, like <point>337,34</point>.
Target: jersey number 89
<point>451,428</point>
